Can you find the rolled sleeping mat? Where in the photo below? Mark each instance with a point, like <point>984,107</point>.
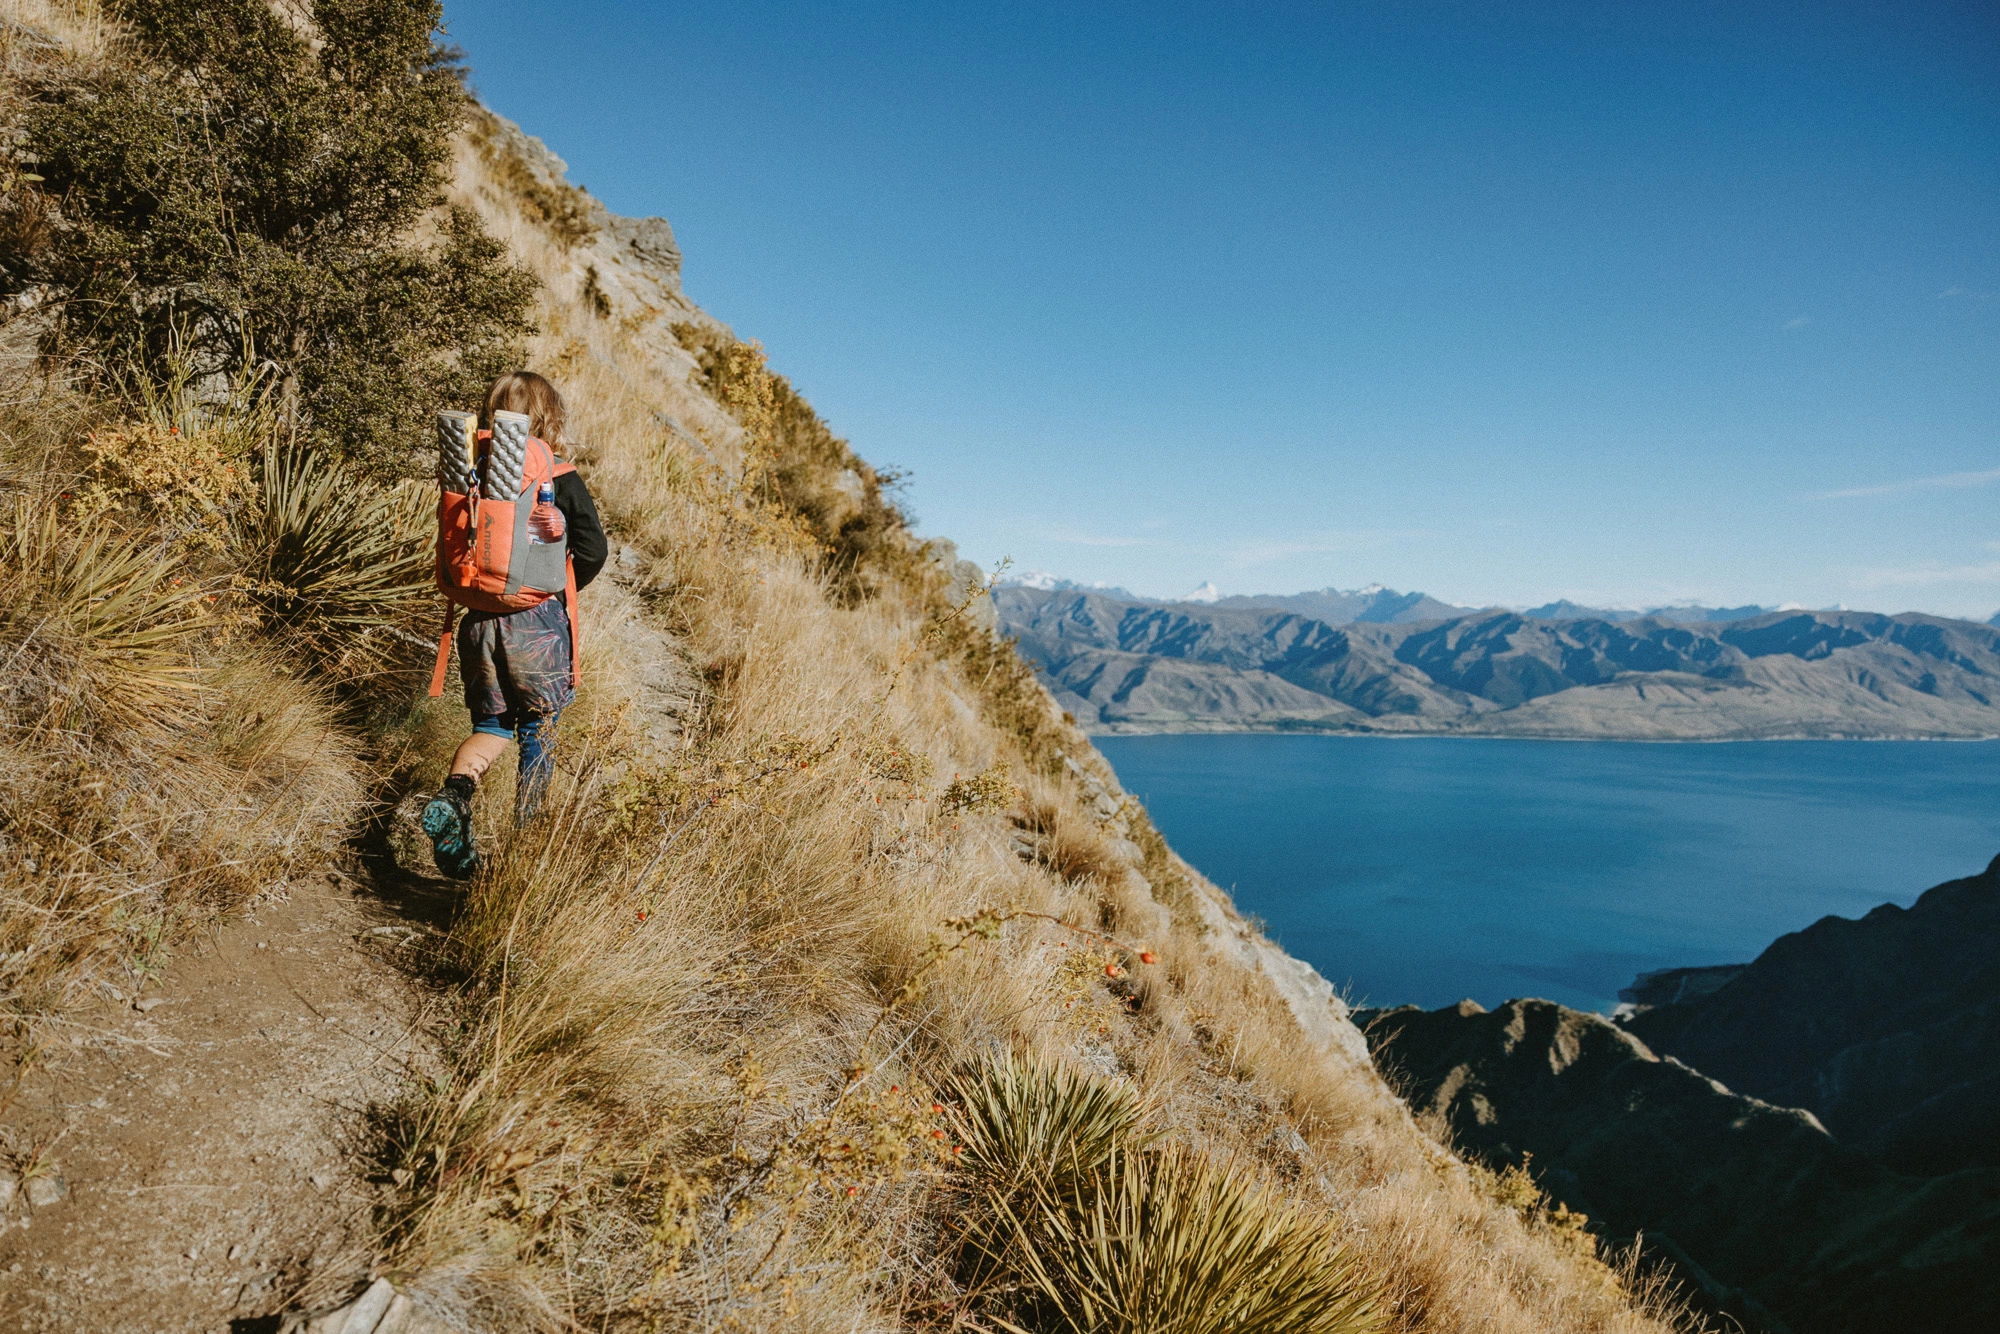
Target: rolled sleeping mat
<point>458,451</point>
<point>507,460</point>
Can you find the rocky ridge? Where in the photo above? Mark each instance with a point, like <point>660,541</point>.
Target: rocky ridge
<point>1886,1028</point>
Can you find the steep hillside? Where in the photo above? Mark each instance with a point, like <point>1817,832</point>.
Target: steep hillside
<point>1757,1202</point>
<point>1134,667</point>
<point>1886,1028</point>
<point>837,987</point>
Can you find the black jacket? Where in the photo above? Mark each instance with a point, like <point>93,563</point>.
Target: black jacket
<point>584,530</point>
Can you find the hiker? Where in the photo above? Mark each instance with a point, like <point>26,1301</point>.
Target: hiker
<point>518,535</point>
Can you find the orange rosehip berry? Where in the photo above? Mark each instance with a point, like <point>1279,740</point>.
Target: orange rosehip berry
<point>958,1148</point>
<point>853,1191</point>
<point>1147,956</point>
<point>936,1108</point>
<point>937,1134</point>
<point>1112,970</point>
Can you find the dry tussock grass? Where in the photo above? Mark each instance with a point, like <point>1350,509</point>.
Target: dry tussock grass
<point>706,995</point>
<point>159,766</point>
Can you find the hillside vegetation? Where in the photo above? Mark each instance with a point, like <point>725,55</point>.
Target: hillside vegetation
<point>839,986</point>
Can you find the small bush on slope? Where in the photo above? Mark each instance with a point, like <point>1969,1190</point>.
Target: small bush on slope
<point>792,459</point>
<point>233,181</point>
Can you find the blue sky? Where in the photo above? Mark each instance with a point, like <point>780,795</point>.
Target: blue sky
<point>1627,303</point>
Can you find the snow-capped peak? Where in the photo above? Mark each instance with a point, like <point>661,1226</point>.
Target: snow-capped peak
<point>1208,592</point>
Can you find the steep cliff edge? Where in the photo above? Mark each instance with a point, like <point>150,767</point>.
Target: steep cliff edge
<point>1887,1028</point>
<point>1760,1205</point>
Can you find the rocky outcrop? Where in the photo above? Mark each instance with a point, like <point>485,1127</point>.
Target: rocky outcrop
<point>1130,666</point>
<point>1886,1028</point>
<point>1780,1224</point>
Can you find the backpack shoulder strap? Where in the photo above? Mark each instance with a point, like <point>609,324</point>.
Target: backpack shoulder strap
<point>564,466</point>
<point>575,638</point>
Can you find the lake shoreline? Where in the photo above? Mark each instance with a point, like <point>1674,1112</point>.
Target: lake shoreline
<point>1429,873</point>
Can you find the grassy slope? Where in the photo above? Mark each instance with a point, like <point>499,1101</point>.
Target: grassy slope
<point>662,1094</point>
<point>697,1005</point>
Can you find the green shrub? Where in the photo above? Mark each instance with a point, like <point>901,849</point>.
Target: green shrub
<point>235,179</point>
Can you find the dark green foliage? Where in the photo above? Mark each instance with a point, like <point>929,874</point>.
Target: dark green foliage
<point>239,185</point>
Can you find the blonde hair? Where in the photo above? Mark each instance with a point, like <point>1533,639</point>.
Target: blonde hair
<point>526,392</point>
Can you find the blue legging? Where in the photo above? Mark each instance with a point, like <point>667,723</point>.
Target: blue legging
<point>535,735</point>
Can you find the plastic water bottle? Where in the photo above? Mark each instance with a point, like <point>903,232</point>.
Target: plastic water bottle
<point>545,521</point>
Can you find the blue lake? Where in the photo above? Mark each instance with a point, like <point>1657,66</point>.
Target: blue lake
<point>1429,869</point>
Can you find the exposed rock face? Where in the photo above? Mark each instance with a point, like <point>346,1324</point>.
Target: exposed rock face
<point>1125,666</point>
<point>1886,1028</point>
<point>651,242</point>
<point>1778,1218</point>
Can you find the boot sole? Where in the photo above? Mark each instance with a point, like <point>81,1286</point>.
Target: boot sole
<point>451,841</point>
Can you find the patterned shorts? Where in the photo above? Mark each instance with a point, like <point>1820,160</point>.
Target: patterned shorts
<point>516,664</point>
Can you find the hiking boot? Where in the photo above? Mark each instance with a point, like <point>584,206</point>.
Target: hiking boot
<point>448,821</point>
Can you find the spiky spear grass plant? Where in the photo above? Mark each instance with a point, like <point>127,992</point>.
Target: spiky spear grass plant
<point>336,564</point>
<point>1082,1228</point>
<point>1172,1242</point>
<point>94,627</point>
<point>1024,1122</point>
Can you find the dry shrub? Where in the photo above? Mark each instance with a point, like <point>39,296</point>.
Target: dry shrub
<point>1068,841</point>
<point>96,628</point>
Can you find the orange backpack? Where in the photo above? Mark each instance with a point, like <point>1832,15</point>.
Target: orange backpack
<point>488,481</point>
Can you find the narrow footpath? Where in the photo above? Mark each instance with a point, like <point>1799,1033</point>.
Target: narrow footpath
<point>202,1144</point>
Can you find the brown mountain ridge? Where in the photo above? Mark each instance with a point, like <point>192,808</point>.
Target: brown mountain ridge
<point>1127,666</point>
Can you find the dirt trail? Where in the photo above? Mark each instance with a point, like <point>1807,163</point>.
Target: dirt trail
<point>209,1147</point>
<point>212,1147</point>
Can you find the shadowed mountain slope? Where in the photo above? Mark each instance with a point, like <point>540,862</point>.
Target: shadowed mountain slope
<point>1122,666</point>
<point>1887,1028</point>
<point>1756,1203</point>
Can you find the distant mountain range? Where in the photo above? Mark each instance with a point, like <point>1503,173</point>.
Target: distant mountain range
<point>1377,605</point>
<point>1374,660</point>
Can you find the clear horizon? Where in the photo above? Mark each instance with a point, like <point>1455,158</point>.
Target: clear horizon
<point>1631,307</point>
